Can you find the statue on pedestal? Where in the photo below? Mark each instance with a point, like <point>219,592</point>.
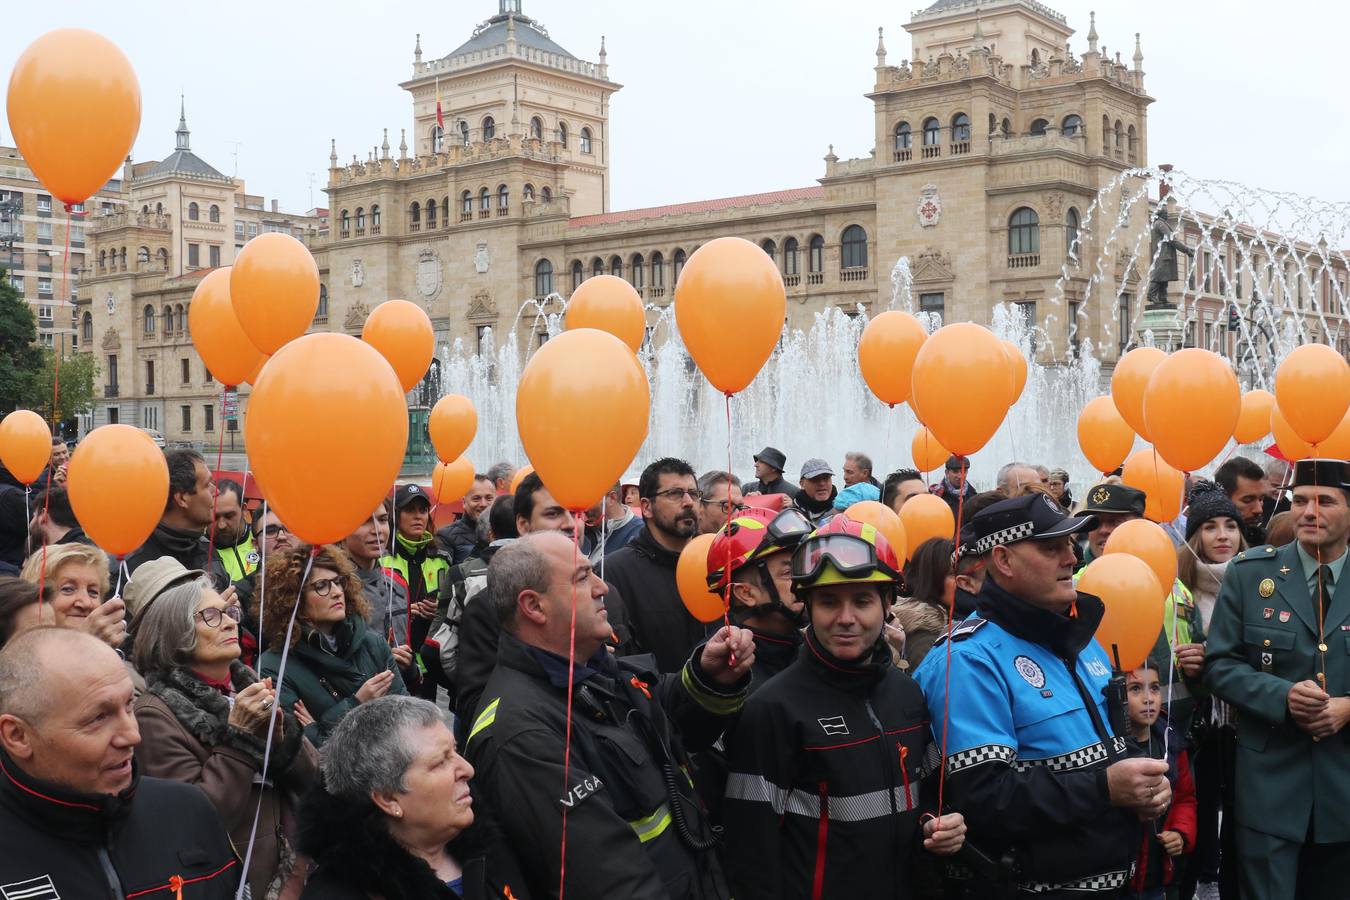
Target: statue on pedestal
<point>1165,250</point>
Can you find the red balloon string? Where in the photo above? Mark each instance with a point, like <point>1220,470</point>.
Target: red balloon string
<point>56,387</point>
<point>951,614</point>
<point>726,566</point>
<point>571,678</point>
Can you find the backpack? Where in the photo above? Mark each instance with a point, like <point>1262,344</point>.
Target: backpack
<point>440,652</point>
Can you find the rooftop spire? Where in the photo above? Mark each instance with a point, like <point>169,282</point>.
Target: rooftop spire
<point>881,48</point>
<point>1138,54</point>
<point>1092,32</point>
<point>332,154</point>
<point>417,49</point>
<point>181,142</point>
<point>979,31</point>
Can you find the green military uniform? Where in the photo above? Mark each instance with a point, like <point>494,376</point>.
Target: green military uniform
<point>1293,791</point>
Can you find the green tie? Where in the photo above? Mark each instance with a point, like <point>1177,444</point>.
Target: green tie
<point>1327,579</point>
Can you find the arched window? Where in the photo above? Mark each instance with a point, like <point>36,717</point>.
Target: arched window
<point>484,200</point>
<point>1106,134</point>
<point>537,128</point>
<point>1024,232</point>
<point>790,264</point>
<point>1072,126</point>
<point>375,217</point>
<point>545,195</point>
<point>528,192</point>
<point>616,266</point>
<point>562,133</point>
<point>960,128</point>
<point>1133,142</point>
<point>1038,127</point>
<point>931,132</point>
<point>431,213</point>
<point>585,140</point>
<point>415,215</point>
<point>149,314</point>
<point>769,247</point>
<point>1071,222</point>
<point>162,257</point>
<point>677,263</point>
<point>464,132</point>
<point>543,278</point>
<point>142,255</point>
<point>194,212</point>
<point>1035,57</point>
<point>1006,127</point>
<point>146,208</point>
<point>102,259</point>
<point>87,327</point>
<point>489,128</point>
<point>159,209</point>
<point>437,139</point>
<point>1120,135</point>
<point>636,270</point>
<point>322,311</point>
<point>166,316</point>
<point>345,220</point>
<point>466,203</point>
<point>181,315</point>
<point>815,259</point>
<point>503,197</point>
<point>658,270</point>
<point>214,213</point>
<point>597,267</point>
<point>360,220</point>
<point>122,259</point>
<point>854,248</point>
<point>904,137</point>
<point>578,274</point>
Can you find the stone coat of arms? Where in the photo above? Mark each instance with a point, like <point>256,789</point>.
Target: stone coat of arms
<point>428,273</point>
<point>930,206</point>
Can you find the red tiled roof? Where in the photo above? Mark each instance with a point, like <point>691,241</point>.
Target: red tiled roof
<point>656,212</point>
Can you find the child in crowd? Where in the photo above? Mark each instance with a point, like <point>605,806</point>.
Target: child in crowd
<point>1165,843</point>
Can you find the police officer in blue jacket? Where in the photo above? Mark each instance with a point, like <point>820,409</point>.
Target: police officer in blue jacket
<point>1031,759</point>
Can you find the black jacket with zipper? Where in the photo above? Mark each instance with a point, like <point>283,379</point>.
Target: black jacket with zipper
<point>142,843</point>
<point>829,765</point>
<point>644,573</point>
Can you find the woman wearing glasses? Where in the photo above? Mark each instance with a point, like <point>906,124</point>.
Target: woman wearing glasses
<point>336,660</point>
<point>204,718</point>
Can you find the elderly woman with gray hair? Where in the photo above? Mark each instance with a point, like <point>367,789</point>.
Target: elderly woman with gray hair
<point>204,718</point>
<point>394,818</point>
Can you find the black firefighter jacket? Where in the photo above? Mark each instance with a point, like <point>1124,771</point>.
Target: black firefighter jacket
<point>635,828</point>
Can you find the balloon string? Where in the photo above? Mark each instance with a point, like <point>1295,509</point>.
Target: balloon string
<point>262,565</point>
<point>726,565</point>
<point>886,446</point>
<point>121,573</point>
<point>1321,632</point>
<point>56,388</point>
<point>951,614</point>
<point>571,679</point>
<point>220,453</point>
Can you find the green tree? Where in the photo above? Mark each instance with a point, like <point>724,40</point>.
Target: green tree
<point>20,357</point>
<point>78,371</point>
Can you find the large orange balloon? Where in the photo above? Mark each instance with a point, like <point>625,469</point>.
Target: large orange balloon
<point>1128,382</point>
<point>1312,386</point>
<point>1338,445</point>
<point>1162,485</point>
<point>1254,420</point>
<point>962,361</point>
<point>581,410</point>
<point>257,370</point>
<point>522,473</point>
<point>691,578</point>
<point>886,354</point>
<point>1291,445</point>
<point>730,308</point>
<point>1191,406</point>
<point>885,520</point>
<point>274,286</point>
<point>118,483</point>
<point>609,303</point>
<point>326,431</point>
<point>1147,541</point>
<point>452,424</point>
<point>402,332</point>
<point>451,481</point>
<point>1103,435</point>
<point>927,516</point>
<point>927,453</point>
<point>1134,606</point>
<point>25,444</point>
<point>216,333</point>
<point>74,108</point>
<point>1017,363</point>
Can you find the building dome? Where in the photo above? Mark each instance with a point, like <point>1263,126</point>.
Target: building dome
<point>493,33</point>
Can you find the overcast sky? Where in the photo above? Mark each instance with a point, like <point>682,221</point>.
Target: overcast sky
<point>719,98</point>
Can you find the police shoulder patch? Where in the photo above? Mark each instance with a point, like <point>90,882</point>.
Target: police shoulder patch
<point>1030,671</point>
<point>959,631</point>
<point>1252,553</point>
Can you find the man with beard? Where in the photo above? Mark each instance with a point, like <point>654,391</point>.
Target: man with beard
<point>1245,484</point>
<point>54,520</point>
<point>236,554</point>
<point>181,532</point>
<point>459,540</point>
<point>644,571</point>
<point>817,492</point>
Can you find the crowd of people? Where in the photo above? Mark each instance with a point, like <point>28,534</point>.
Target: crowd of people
<point>519,704</point>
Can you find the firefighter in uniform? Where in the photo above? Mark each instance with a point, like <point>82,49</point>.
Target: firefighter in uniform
<point>1047,791</point>
<point>1279,654</point>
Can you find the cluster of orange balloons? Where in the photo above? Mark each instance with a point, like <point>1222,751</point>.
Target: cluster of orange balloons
<point>1311,414</point>
<point>1186,404</point>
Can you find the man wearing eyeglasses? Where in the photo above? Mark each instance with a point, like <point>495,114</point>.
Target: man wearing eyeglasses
<point>721,494</point>
<point>644,571</point>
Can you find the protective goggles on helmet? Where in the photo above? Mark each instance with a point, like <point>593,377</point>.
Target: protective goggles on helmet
<point>852,557</point>
<point>789,527</point>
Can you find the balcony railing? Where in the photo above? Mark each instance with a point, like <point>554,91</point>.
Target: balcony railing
<point>932,151</point>
<point>345,233</point>
<point>815,277</point>
<point>656,291</point>
<point>792,280</point>
<point>856,273</point>
<point>110,390</point>
<point>415,226</point>
<point>960,147</point>
<point>503,211</point>
<point>1024,260</point>
<point>374,229</point>
<point>484,213</point>
<point>904,155</point>
<point>360,232</point>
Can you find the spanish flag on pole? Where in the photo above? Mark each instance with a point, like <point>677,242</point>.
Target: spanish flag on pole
<point>440,117</point>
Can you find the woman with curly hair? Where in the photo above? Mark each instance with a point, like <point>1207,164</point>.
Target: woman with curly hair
<point>336,661</point>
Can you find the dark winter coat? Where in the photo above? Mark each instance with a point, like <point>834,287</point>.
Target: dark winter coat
<point>190,548</point>
<point>459,540</point>
<point>644,573</point>
<point>779,485</point>
<point>358,860</point>
<point>186,736</point>
<point>387,595</point>
<point>817,509</point>
<point>13,519</point>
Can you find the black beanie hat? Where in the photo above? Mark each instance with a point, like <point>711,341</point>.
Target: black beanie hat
<point>1208,501</point>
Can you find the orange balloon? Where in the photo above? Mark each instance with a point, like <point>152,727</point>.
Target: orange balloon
<point>1291,445</point>
<point>1254,420</point>
<point>25,444</point>
<point>1191,406</point>
<point>74,108</point>
<point>886,354</point>
<point>118,484</point>
<point>962,361</point>
<point>1338,445</point>
<point>453,423</point>
<point>691,577</point>
<point>885,520</point>
<point>1103,436</point>
<point>1312,386</point>
<point>274,286</point>
<point>451,481</point>
<point>521,474</point>
<point>1162,485</point>
<point>927,453</point>
<point>220,341</point>
<point>402,332</point>
<point>581,410</point>
<point>257,370</point>
<point>1134,606</point>
<point>1018,364</point>
<point>326,449</point>
<point>1147,541</point>
<point>730,307</point>
<point>610,304</point>
<point>1128,382</point>
<point>930,517</point>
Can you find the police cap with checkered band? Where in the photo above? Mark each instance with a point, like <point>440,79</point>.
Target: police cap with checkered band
<point>1034,517</point>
